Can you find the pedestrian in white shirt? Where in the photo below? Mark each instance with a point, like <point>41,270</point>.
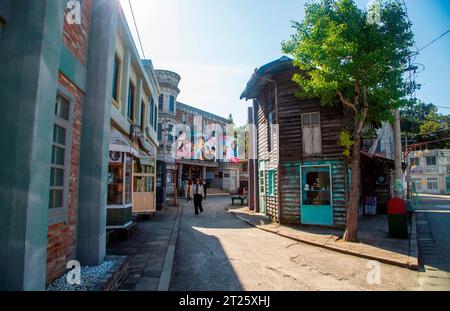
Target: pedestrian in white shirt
<point>198,193</point>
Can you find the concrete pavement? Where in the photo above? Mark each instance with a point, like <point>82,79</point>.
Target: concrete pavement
<point>217,251</point>
<point>433,234</point>
<point>151,251</point>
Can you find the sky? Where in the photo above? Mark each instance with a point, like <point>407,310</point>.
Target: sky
<point>215,45</point>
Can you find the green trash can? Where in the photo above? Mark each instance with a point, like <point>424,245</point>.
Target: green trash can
<point>398,219</point>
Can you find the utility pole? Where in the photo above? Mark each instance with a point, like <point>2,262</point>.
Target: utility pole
<point>398,182</point>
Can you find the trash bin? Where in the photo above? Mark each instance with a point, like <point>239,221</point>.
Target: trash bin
<point>398,218</point>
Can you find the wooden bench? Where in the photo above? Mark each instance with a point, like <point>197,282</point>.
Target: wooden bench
<point>242,198</point>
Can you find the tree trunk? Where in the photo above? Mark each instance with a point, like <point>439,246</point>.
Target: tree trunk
<point>351,232</point>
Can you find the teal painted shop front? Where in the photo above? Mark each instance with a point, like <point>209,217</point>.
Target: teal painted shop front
<point>316,194</point>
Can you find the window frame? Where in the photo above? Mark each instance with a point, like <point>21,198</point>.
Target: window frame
<point>60,214</point>
<point>171,103</point>
<point>271,183</point>
<point>161,102</point>
<point>131,85</point>
<point>432,180</point>
<point>431,157</point>
<point>142,118</point>
<point>117,78</point>
<point>311,125</point>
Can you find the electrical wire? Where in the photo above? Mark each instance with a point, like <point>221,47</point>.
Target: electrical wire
<point>448,31</point>
<point>137,30</point>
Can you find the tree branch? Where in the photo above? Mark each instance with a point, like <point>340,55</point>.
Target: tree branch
<point>346,102</point>
<point>365,110</point>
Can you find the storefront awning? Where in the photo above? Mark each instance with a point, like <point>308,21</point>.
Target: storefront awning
<point>119,143</point>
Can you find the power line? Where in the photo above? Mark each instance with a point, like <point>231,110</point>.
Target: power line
<point>137,30</point>
<point>448,31</point>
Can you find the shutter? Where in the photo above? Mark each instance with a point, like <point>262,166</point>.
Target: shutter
<point>317,139</point>
<point>307,140</point>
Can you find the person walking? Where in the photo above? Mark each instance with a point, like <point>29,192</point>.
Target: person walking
<point>188,191</point>
<point>205,187</point>
<point>198,194</point>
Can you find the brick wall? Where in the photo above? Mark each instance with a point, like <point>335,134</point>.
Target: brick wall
<point>62,237</point>
<point>75,36</point>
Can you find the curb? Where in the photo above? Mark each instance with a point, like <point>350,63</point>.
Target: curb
<point>166,273</point>
<point>328,247</point>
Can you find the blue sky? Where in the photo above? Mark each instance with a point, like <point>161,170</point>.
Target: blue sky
<point>215,45</point>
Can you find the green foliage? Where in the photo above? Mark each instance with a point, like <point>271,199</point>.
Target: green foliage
<point>342,55</point>
<point>414,115</point>
<point>346,141</point>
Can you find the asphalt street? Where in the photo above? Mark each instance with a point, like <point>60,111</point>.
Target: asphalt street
<point>217,251</point>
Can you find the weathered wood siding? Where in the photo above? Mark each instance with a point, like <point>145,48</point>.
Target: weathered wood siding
<point>291,108</point>
<point>266,105</point>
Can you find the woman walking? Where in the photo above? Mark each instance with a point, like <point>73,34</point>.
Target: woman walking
<point>188,191</point>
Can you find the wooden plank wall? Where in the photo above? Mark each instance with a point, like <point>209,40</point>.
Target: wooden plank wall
<point>291,151</point>
<point>266,104</point>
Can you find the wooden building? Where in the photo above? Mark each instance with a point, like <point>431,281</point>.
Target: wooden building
<point>300,168</point>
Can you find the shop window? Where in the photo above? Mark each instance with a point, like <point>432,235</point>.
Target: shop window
<point>316,186</point>
<point>115,184</point>
<point>432,183</point>
<point>431,161</point>
<point>131,96</point>
<point>311,134</point>
<point>60,160</point>
<point>128,179</point>
<point>271,182</point>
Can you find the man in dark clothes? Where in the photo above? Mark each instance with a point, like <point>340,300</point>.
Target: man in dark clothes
<point>198,193</point>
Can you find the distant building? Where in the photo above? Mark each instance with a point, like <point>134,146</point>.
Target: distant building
<point>189,147</point>
<point>430,171</point>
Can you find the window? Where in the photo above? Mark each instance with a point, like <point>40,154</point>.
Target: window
<point>431,161</point>
<point>128,179</point>
<point>169,134</point>
<point>155,118</point>
<point>160,131</point>
<point>144,178</point>
<point>131,90</point>
<point>115,184</point>
<point>271,182</point>
<point>60,159</point>
<point>311,133</point>
<point>270,131</point>
<point>416,184</point>
<point>448,169</point>
<point>116,79</point>
<point>415,161</point>
<point>447,182</point>
<point>172,104</point>
<point>151,110</point>
<point>161,102</point>
<point>316,186</point>
<point>142,121</point>
<point>432,183</point>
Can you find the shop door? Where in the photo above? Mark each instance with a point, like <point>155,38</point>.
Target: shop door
<point>316,195</point>
<point>262,188</point>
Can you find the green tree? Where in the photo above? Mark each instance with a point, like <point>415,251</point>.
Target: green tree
<point>345,59</point>
<point>414,115</point>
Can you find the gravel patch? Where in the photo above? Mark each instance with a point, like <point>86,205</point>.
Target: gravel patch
<point>89,277</point>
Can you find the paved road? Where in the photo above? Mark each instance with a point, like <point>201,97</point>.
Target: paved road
<point>433,220</point>
<point>217,251</point>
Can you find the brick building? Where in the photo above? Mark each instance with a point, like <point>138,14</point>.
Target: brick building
<point>61,59</point>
